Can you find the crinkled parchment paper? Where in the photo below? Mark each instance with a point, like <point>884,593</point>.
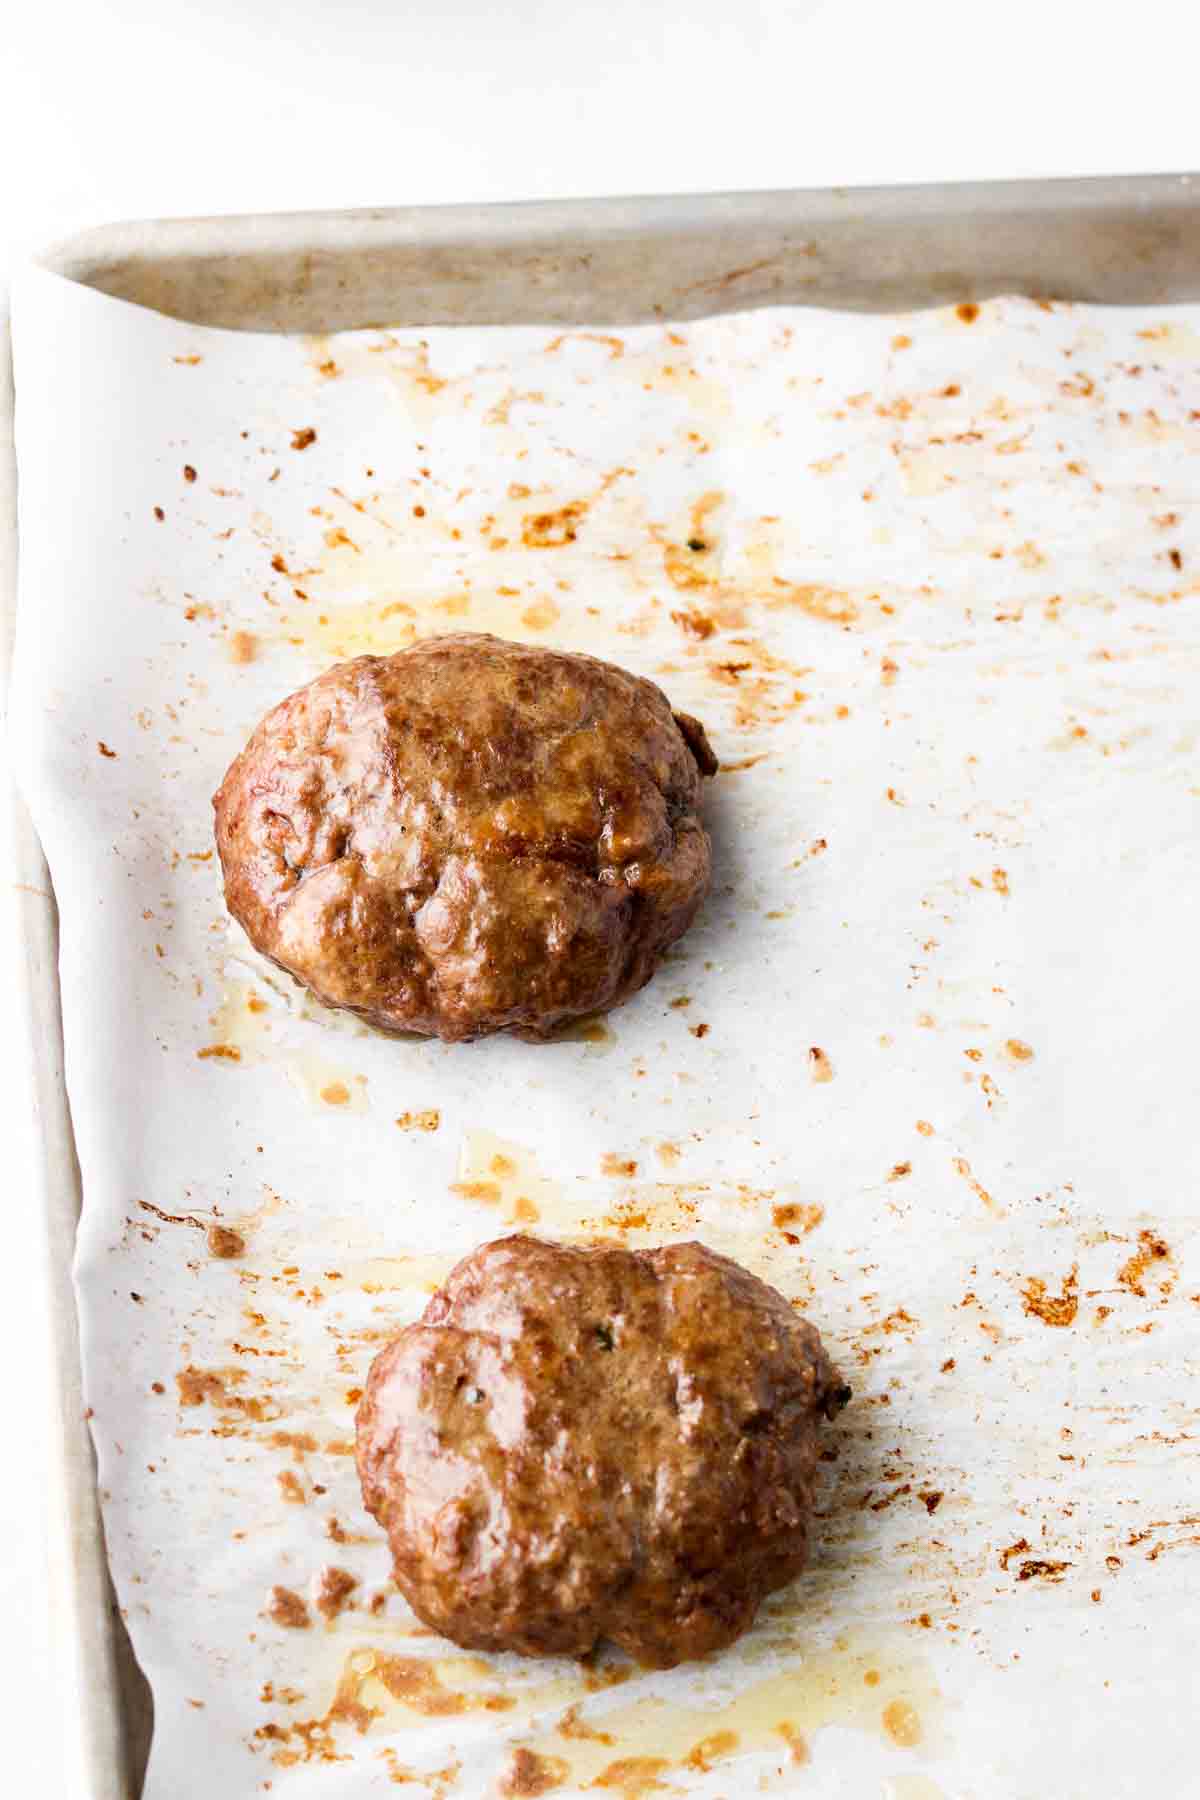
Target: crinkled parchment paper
<point>927,1062</point>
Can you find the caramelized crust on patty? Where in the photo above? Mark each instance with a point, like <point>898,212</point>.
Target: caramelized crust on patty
<point>575,1444</point>
<point>467,837</point>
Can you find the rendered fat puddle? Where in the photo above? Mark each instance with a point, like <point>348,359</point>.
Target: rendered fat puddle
<point>248,1027</point>
<point>593,1728</point>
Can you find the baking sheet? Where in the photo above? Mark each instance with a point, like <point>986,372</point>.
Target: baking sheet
<point>941,630</point>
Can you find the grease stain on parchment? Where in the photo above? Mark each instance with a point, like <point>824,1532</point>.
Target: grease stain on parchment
<point>606,1726</point>
<point>247,1028</point>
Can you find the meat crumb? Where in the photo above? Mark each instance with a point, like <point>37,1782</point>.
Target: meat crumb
<point>334,1588</point>
<point>286,1607</point>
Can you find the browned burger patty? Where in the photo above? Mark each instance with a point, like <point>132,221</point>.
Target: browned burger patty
<point>575,1444</point>
<point>469,836</point>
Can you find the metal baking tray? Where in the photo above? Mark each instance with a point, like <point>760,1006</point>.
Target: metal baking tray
<point>1123,240</point>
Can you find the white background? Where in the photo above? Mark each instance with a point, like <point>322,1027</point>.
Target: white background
<point>137,108</point>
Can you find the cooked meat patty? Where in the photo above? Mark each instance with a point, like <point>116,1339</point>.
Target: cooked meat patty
<point>575,1444</point>
<point>469,836</point>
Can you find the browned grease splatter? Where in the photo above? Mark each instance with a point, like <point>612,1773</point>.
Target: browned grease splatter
<point>200,1386</point>
<point>962,1167</point>
<point>1018,1050</point>
<point>418,1685</point>
<point>315,1736</point>
<point>437,1783</point>
<point>1052,1309</point>
<point>170,1218</point>
<point>243,647</point>
<point>304,437</point>
<point>291,1488</point>
<point>611,1164</point>
<point>710,1749</point>
<point>633,1776</point>
<point>286,1607</point>
<point>572,1726</point>
<point>1132,1274</point>
<point>335,1530</point>
<point>819,1065</point>
<point>335,1093</point>
<point>798,1215</point>
<point>300,1443</point>
<point>696,624</point>
<point>1038,1569</point>
<point>615,345</point>
<point>223,1052</point>
<point>551,530</point>
<point>428,1120</point>
<point>831,605</point>
<point>530,1773</point>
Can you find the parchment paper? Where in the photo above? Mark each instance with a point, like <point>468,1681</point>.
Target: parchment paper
<point>927,1062</point>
